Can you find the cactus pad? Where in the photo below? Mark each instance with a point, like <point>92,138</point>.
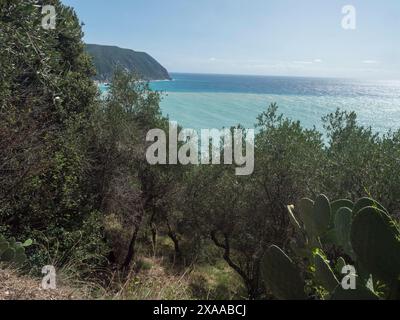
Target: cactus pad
<point>321,214</point>
<point>343,221</point>
<point>281,275</point>
<point>324,274</point>
<point>376,242</point>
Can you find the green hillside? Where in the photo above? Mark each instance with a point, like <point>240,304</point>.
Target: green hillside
<point>106,58</point>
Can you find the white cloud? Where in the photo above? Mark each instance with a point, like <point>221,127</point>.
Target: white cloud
<point>370,62</point>
<point>303,62</point>
<point>307,62</point>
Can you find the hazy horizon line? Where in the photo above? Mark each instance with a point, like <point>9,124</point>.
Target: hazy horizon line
<point>283,76</point>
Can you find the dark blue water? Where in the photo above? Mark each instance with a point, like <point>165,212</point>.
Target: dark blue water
<point>279,85</point>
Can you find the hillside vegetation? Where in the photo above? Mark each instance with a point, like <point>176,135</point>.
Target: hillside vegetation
<point>107,58</point>
<point>77,193</point>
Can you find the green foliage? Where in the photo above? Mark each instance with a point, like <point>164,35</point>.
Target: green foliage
<point>244,215</point>
<point>47,99</point>
<point>360,162</point>
<point>74,177</point>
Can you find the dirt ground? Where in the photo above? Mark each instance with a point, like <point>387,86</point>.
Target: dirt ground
<point>16,287</point>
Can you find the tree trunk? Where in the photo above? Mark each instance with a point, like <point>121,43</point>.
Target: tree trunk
<point>154,239</point>
<point>175,240</point>
<point>252,286</point>
<point>131,249</point>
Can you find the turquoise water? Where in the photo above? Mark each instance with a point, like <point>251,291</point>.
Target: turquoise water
<point>216,101</point>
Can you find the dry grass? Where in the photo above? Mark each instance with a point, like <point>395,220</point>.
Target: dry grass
<point>17,287</point>
<point>155,282</point>
<point>151,279</point>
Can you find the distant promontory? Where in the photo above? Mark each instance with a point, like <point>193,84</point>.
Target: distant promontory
<point>106,58</point>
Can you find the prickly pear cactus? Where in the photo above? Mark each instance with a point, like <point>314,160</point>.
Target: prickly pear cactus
<point>12,252</point>
<point>306,210</point>
<point>376,242</point>
<point>340,264</point>
<point>295,223</point>
<point>360,293</point>
<point>324,274</point>
<point>316,216</point>
<point>338,204</point>
<point>281,275</point>
<point>342,226</point>
<point>366,233</point>
<point>367,202</point>
<point>321,215</point>
<point>341,203</point>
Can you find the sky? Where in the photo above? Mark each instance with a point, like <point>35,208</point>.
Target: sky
<point>260,37</point>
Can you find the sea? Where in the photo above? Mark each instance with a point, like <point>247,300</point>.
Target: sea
<point>205,101</point>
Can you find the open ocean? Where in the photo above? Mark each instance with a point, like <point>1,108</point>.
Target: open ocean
<point>214,101</point>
